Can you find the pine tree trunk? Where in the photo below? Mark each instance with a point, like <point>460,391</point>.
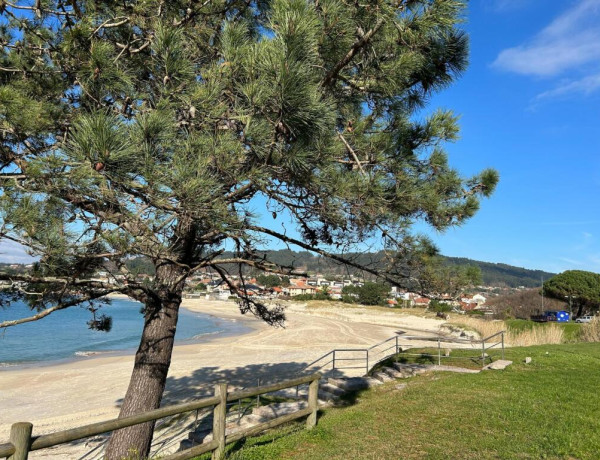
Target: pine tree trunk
<point>149,375</point>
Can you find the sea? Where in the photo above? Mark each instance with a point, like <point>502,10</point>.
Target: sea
<point>64,334</point>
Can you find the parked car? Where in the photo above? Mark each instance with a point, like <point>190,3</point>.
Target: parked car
<point>584,319</point>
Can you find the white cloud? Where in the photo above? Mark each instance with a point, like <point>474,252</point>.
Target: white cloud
<point>584,86</point>
<point>571,40</point>
<point>14,253</point>
<point>571,261</point>
<point>505,5</point>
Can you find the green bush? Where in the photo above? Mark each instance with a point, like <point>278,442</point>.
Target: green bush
<point>438,306</point>
<point>369,293</point>
<point>317,296</point>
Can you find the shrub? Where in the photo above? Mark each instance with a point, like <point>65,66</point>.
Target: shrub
<point>317,296</point>
<point>437,306</point>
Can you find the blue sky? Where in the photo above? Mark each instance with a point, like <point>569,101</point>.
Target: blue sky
<point>530,107</point>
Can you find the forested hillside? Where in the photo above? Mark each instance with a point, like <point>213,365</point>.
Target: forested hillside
<point>492,274</point>
<point>503,274</point>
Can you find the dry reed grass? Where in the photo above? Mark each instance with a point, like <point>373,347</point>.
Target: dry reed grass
<point>590,332</point>
<point>540,335</point>
<point>537,335</point>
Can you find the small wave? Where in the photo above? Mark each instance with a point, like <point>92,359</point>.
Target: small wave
<point>87,353</point>
<point>199,336</point>
<point>2,365</point>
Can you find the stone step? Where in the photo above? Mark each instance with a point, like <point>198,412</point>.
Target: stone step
<point>328,397</point>
<point>382,377</point>
<point>278,409</point>
<point>405,370</point>
<point>255,418</point>
<point>333,389</point>
<point>372,382</point>
<point>353,383</point>
<point>395,374</point>
<point>290,393</point>
<point>498,365</point>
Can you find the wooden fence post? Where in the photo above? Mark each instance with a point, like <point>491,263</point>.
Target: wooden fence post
<point>20,437</point>
<point>313,403</point>
<point>219,416</point>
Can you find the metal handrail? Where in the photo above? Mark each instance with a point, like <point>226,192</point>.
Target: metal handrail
<point>318,359</point>
<point>373,356</point>
<point>385,341</point>
<point>494,335</point>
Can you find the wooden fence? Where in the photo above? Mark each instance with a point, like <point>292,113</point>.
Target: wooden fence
<point>22,442</point>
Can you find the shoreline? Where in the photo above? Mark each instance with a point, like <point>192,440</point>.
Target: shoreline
<point>245,326</point>
<point>90,390</point>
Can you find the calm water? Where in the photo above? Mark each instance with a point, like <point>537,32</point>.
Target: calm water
<point>64,334</point>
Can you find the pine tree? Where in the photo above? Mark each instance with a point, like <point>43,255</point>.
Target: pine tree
<point>153,128</point>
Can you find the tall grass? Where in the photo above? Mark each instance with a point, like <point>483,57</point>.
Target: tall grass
<point>536,335</point>
<point>549,333</point>
<point>590,332</point>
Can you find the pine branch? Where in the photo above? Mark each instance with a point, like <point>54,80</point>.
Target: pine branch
<point>356,47</point>
<point>265,266</point>
<point>69,281</point>
<point>60,306</point>
<point>121,20</point>
<point>273,316</point>
<point>353,153</point>
<point>329,255</point>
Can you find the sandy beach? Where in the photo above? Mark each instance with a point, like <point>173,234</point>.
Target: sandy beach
<point>88,390</point>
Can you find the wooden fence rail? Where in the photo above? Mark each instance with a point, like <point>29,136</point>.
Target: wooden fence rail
<point>21,441</point>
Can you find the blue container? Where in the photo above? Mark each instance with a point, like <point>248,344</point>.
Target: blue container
<point>562,316</point>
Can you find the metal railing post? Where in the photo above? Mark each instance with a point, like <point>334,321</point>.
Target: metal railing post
<point>367,364</point>
<point>334,362</point>
<point>20,437</point>
<point>258,396</point>
<point>397,345</point>
<point>439,353</point>
<point>502,344</point>
<point>482,353</point>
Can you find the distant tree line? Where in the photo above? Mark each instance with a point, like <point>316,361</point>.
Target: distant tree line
<point>492,274</point>
<point>504,275</point>
<point>523,304</point>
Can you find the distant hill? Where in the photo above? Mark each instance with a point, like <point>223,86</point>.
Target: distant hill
<point>501,275</point>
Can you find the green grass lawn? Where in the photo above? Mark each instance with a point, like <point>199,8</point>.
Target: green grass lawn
<point>547,409</point>
<point>571,330</point>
